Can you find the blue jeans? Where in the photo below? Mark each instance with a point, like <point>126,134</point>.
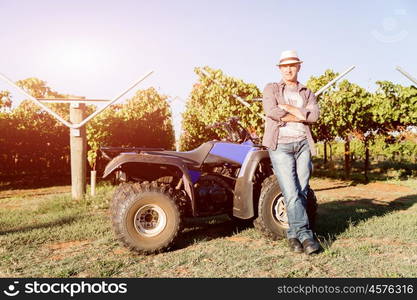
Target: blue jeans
<point>292,165</point>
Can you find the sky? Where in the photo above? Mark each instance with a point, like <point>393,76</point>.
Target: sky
<point>98,48</point>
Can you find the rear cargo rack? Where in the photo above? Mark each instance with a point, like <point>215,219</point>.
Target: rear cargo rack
<point>110,152</point>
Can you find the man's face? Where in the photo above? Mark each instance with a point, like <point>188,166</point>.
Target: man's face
<point>290,72</point>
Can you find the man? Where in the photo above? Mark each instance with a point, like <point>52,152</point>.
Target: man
<point>289,107</point>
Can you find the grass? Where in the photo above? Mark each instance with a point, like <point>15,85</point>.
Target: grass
<point>50,235</point>
<point>410,182</point>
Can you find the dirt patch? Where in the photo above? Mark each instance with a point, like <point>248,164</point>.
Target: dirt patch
<point>121,251</point>
<point>388,187</point>
<point>66,245</point>
<point>64,250</point>
<point>238,239</point>
<point>369,202</point>
<point>23,193</point>
<point>372,241</point>
<point>379,193</point>
<point>16,199</point>
<point>10,205</point>
<point>182,271</point>
<point>84,274</point>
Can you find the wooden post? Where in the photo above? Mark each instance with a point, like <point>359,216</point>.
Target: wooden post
<point>93,177</point>
<point>78,144</point>
<point>347,158</point>
<point>367,160</point>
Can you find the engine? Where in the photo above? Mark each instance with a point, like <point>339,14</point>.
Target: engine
<point>213,195</point>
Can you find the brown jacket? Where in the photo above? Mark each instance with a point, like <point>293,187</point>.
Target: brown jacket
<point>274,95</point>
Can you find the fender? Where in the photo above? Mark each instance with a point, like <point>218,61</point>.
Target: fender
<point>243,199</point>
<point>124,158</point>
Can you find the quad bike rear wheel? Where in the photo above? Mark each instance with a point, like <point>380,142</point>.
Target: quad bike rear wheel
<point>272,218</point>
<point>145,217</point>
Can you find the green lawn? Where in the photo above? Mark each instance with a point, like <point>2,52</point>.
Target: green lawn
<point>49,235</point>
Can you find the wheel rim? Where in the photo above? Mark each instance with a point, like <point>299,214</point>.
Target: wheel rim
<point>150,220</point>
<point>280,211</point>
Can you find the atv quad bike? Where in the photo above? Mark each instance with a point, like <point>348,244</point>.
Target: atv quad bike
<point>159,188</point>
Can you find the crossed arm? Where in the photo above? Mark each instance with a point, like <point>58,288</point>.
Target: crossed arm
<point>289,113</point>
<point>293,114</point>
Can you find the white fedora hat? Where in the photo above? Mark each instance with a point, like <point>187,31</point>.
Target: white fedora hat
<point>289,57</point>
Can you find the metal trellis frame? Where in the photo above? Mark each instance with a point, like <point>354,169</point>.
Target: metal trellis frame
<point>62,120</point>
<point>406,75</point>
<point>78,139</point>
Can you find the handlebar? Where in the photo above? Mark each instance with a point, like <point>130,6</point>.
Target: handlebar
<point>236,132</point>
<point>231,120</point>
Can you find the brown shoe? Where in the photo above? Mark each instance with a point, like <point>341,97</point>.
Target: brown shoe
<point>310,246</point>
<point>295,245</point>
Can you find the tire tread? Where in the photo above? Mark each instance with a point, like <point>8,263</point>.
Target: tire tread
<point>123,197</point>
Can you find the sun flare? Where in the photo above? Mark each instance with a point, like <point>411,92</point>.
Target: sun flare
<point>75,57</point>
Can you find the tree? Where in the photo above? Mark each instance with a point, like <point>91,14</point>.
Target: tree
<point>143,121</point>
<point>351,115</point>
<point>211,100</point>
<point>345,111</point>
<point>395,109</point>
<point>395,106</point>
<point>34,141</point>
<point>324,130</point>
<point>38,88</point>
<point>5,100</point>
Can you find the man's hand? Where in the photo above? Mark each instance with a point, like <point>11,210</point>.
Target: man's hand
<point>291,118</point>
<point>293,111</point>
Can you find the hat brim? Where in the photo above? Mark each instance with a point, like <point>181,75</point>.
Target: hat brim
<point>290,62</point>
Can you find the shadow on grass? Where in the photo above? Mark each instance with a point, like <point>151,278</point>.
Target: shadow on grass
<point>41,181</point>
<point>59,222</point>
<point>206,229</point>
<point>33,182</point>
<point>334,187</point>
<point>333,219</point>
<point>336,217</point>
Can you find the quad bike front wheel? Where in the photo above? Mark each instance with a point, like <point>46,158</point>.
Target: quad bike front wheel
<point>272,218</point>
<point>145,217</point>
